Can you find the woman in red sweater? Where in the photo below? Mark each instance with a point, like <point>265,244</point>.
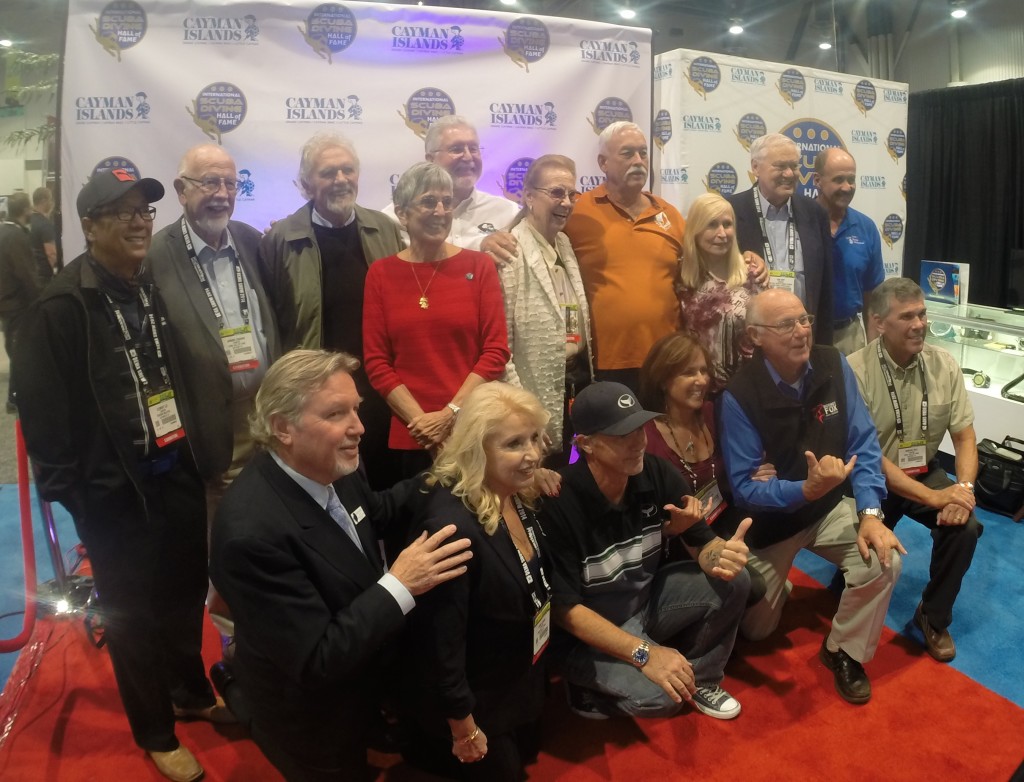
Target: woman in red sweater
<point>433,321</point>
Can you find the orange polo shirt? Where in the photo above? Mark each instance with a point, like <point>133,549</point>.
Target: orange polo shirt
<point>629,269</point>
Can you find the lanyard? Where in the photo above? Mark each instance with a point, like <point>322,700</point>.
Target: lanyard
<point>887,375</point>
<point>130,344</point>
<point>243,299</point>
<point>769,256</point>
<point>521,510</point>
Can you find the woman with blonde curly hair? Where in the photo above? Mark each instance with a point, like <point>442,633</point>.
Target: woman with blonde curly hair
<point>475,665</point>
<point>715,283</point>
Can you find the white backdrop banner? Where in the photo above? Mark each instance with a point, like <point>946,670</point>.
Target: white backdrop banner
<point>144,81</point>
<point>710,107</point>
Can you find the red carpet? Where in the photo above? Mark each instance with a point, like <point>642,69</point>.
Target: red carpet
<point>925,722</point>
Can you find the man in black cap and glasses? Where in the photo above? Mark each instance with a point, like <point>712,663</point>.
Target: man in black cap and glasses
<point>612,591</point>
<point>104,427</point>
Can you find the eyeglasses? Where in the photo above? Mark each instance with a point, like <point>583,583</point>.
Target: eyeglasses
<point>789,165</point>
<point>429,203</point>
<point>787,326</point>
<point>560,193</point>
<point>127,214</point>
<point>458,150</point>
<point>211,184</point>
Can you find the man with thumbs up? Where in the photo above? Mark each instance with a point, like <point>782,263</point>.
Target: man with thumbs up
<point>648,636</point>
<point>797,406</point>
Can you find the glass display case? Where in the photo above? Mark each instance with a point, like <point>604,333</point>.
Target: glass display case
<point>987,342</point>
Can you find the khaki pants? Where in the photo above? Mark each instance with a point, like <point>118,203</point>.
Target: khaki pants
<point>850,338</point>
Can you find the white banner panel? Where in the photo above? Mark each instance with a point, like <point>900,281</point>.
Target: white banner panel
<point>710,107</point>
<point>144,81</point>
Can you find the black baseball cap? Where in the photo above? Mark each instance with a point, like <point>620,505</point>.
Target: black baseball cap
<point>105,187</point>
<point>608,408</point>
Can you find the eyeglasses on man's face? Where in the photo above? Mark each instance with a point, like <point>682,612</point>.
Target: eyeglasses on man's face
<point>212,184</point>
<point>787,326</point>
<point>560,193</point>
<point>126,213</point>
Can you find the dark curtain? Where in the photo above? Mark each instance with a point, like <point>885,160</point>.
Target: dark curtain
<point>965,183</point>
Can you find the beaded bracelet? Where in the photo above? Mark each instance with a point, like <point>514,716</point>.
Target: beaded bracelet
<point>467,739</point>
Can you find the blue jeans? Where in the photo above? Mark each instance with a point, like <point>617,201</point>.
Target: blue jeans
<point>688,611</point>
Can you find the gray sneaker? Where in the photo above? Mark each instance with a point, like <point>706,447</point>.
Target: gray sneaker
<point>716,702</point>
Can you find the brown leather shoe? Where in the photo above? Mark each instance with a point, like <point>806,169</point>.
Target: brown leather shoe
<point>851,680</point>
<point>179,765</point>
<point>939,643</point>
<point>218,713</point>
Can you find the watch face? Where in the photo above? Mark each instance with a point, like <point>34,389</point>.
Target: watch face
<point>981,380</point>
<point>641,655</point>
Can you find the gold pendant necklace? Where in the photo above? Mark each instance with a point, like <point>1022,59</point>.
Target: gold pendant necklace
<point>424,301</point>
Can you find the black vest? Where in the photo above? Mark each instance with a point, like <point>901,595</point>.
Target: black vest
<point>788,427</point>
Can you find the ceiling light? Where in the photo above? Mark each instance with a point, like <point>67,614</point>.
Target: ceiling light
<point>824,45</point>
<point>6,43</point>
<point>958,13</point>
<point>735,28</point>
<point>627,13</point>
<point>508,2</point>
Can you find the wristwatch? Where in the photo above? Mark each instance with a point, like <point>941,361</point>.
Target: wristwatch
<point>876,512</point>
<point>453,407</point>
<point>642,654</point>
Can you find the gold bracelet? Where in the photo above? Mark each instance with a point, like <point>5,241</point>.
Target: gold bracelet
<point>469,738</point>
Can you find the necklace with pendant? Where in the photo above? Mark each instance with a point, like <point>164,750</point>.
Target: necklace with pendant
<point>424,301</point>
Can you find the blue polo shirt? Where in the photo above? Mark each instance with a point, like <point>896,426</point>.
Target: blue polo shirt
<point>857,263</point>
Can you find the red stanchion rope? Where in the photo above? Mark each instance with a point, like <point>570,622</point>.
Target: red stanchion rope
<point>27,547</point>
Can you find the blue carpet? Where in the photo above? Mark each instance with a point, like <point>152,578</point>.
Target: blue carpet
<point>12,576</point>
<point>988,624</point>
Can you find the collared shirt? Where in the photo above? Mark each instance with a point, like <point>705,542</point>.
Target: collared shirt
<point>220,271</point>
<point>473,220</point>
<point>858,265</point>
<point>949,407</point>
<point>776,220</point>
<point>319,219</point>
<point>321,494</point>
<point>744,452</point>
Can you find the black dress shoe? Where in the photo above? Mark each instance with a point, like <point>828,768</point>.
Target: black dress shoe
<point>222,677</point>
<point>851,680</point>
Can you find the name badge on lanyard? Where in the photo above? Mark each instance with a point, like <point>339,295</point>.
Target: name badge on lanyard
<point>710,496</point>
<point>912,457</point>
<point>541,630</point>
<point>239,348</point>
<point>783,280</point>
<point>163,414</point>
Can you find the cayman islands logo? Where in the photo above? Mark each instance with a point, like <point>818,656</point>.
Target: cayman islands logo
<point>609,110</point>
<point>750,128</point>
<point>896,144</point>
<point>120,25</point>
<point>221,29</point>
<point>662,129</point>
<point>514,114</point>
<point>424,107</point>
<point>512,183</point>
<point>811,136</point>
<point>112,109</point>
<point>330,28</point>
<point>526,41</point>
<point>791,86</point>
<point>323,108</point>
<point>427,38</point>
<point>704,76</point>
<point>864,96</point>
<point>722,178</point>
<point>218,108</point>
<point>892,229</point>
<point>246,185</point>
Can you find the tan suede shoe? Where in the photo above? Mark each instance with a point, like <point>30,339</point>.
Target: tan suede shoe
<point>178,766</point>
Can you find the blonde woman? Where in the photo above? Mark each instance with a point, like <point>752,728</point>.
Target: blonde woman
<point>715,283</point>
<point>475,663</point>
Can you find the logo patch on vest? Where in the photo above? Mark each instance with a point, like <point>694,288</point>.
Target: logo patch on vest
<point>826,410</point>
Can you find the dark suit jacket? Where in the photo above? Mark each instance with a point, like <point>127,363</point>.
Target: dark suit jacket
<point>469,647</point>
<point>313,629</point>
<point>206,380</point>
<point>815,242</point>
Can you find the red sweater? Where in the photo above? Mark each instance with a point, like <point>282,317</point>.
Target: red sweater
<point>432,351</point>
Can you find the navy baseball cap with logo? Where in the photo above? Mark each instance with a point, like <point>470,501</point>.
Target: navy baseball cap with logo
<point>105,187</point>
<point>608,408</point>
